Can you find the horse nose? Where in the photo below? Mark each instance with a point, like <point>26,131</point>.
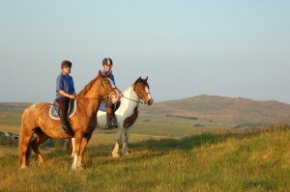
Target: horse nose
<point>150,102</point>
<point>114,99</point>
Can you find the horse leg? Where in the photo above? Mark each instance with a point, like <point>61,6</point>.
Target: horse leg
<point>85,141</point>
<point>76,150</point>
<point>125,142</point>
<point>28,154</point>
<point>38,140</point>
<point>115,152</point>
<point>71,146</point>
<point>24,147</point>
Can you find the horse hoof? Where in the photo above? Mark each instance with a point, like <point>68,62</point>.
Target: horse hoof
<point>115,155</point>
<point>40,163</point>
<point>125,153</point>
<point>80,168</point>
<point>77,168</point>
<point>23,167</point>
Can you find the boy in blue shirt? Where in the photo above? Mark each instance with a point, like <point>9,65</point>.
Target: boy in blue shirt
<point>111,118</point>
<point>65,91</point>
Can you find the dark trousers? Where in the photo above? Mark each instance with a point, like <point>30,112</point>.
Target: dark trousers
<point>63,103</point>
<point>111,118</point>
<point>109,106</point>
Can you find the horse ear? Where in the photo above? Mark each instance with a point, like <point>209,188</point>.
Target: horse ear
<point>100,73</point>
<point>146,79</point>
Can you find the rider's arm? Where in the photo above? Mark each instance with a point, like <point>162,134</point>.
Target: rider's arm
<point>112,80</point>
<point>60,88</point>
<point>63,93</point>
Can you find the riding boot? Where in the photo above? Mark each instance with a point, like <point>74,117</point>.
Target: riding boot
<point>65,125</point>
<point>114,121</point>
<point>110,114</point>
<point>109,121</point>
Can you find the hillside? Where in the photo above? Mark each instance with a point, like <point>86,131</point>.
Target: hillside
<point>237,112</point>
<point>199,111</point>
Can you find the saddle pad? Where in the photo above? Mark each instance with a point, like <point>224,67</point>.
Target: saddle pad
<point>103,106</point>
<point>53,111</point>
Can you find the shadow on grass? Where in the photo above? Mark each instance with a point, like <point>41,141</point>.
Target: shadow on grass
<point>188,143</point>
<point>155,148</point>
<point>150,149</point>
<point>101,154</point>
<point>141,150</point>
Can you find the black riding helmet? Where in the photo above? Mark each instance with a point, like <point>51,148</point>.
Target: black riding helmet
<point>108,61</point>
<point>66,63</point>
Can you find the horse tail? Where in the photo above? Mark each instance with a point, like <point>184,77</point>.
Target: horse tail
<point>21,135</point>
<point>25,136</point>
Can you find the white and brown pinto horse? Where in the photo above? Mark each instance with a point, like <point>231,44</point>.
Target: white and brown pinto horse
<point>127,113</point>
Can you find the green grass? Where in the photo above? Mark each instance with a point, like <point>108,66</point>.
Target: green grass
<point>166,154</point>
<point>225,161</point>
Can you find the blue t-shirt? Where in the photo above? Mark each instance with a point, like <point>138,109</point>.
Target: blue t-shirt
<point>65,83</point>
<point>110,77</point>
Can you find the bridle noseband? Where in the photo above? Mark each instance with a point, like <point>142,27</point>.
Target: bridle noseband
<point>137,101</point>
<point>108,92</point>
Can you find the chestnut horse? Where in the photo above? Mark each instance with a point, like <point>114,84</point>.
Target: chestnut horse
<point>36,120</point>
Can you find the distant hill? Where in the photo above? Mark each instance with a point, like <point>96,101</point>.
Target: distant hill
<point>200,111</point>
<point>12,107</point>
<point>10,113</point>
<point>237,112</point>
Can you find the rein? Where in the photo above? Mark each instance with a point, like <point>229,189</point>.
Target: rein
<point>108,92</point>
<point>133,100</point>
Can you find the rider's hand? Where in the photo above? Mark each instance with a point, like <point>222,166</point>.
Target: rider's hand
<point>74,96</point>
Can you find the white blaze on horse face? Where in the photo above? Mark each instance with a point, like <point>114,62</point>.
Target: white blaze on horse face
<point>150,99</point>
<point>148,93</point>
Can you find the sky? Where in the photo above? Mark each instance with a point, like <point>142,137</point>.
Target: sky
<point>233,48</point>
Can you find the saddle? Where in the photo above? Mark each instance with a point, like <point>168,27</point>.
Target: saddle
<point>103,106</point>
<point>53,111</point>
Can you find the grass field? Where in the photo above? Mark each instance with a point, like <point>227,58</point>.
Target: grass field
<point>225,161</point>
<point>166,154</point>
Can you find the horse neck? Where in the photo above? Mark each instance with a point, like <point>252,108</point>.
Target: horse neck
<point>90,105</point>
<point>129,93</point>
<point>90,101</point>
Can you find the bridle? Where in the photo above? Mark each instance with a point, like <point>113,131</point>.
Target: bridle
<point>137,101</point>
<point>133,100</point>
<point>108,92</point>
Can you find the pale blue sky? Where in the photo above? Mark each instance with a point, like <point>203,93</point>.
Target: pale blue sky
<point>236,48</point>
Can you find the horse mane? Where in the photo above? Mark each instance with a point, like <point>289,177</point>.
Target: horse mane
<point>142,81</point>
<point>88,87</point>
